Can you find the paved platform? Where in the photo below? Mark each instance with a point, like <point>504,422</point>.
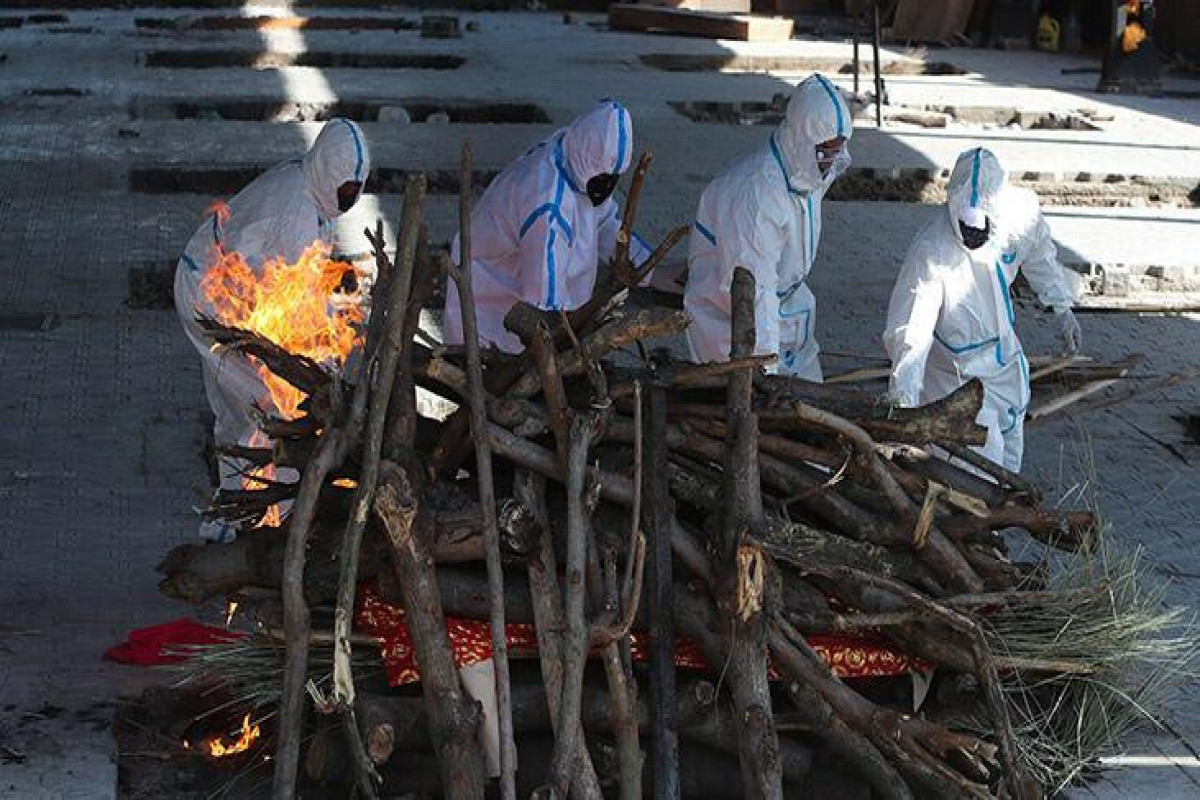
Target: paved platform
<point>100,451</point>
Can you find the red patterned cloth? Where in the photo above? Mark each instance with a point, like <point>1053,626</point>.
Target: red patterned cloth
<point>847,656</point>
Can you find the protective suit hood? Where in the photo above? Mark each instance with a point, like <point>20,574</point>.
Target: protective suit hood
<point>973,194</point>
<point>338,155</point>
<point>599,142</point>
<point>816,113</point>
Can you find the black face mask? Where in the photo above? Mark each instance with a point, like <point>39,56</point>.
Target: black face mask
<point>975,238</point>
<point>601,187</point>
<point>347,195</point>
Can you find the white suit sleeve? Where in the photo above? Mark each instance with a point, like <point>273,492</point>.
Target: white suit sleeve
<point>1043,270</point>
<point>912,316</point>
<point>544,264</point>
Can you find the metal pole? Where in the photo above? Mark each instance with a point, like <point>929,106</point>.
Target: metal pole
<point>875,36</point>
<point>856,21</point>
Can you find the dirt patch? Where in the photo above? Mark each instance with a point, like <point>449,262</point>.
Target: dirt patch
<point>682,62</point>
<point>261,110</point>
<point>261,59</point>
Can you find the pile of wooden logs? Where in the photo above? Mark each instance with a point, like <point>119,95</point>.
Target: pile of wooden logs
<point>606,492</point>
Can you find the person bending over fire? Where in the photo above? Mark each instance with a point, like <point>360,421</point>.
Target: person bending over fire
<point>544,224</point>
<point>278,216</point>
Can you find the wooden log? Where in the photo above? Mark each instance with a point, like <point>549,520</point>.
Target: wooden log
<point>427,276</point>
<point>585,430</point>
<point>196,573</point>
<point>634,326</point>
<point>951,419</point>
<point>664,739</point>
<point>744,573</point>
<point>381,373</point>
<point>454,718</point>
<point>739,27</point>
<point>449,452</point>
<point>462,275</point>
<point>550,625</point>
<point>407,724</point>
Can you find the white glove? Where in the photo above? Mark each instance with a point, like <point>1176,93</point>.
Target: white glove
<point>1069,331</point>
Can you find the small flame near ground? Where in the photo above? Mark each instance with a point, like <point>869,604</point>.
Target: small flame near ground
<point>233,607</point>
<point>293,305</point>
<point>248,736</point>
<point>346,483</point>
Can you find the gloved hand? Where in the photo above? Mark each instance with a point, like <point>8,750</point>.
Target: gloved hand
<point>889,402</point>
<point>1069,331</point>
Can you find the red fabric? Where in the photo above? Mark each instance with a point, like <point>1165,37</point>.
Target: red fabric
<point>159,644</point>
<point>847,656</point>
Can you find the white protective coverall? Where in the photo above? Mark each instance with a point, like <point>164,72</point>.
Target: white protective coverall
<point>763,213</point>
<point>278,215</point>
<point>535,235</point>
<point>951,317</point>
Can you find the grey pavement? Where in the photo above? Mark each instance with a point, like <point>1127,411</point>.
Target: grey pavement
<point>102,405</point>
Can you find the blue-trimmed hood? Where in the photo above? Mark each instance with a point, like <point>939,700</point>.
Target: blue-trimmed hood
<point>972,195</point>
<point>816,113</point>
<point>338,155</point>
<point>599,142</point>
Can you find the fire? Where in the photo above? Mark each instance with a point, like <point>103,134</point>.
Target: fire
<point>346,483</point>
<point>218,749</point>
<point>290,304</point>
<point>233,607</point>
<point>274,515</point>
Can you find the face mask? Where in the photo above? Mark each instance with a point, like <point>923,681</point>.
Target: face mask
<point>601,187</point>
<point>347,195</point>
<point>826,159</point>
<point>975,238</point>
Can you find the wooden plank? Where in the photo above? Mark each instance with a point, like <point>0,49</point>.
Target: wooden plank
<point>931,20</point>
<point>739,27</point>
<point>712,6</point>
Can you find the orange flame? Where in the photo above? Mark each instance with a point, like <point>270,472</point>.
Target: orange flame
<point>220,210</point>
<point>274,516</point>
<point>290,305</point>
<point>218,749</point>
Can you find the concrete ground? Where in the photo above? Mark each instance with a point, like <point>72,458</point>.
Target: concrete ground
<point>102,403</point>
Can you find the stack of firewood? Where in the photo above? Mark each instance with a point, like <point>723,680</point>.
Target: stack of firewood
<point>609,488</point>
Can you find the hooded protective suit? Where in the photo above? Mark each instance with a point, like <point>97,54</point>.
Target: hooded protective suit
<point>278,215</point>
<point>951,317</point>
<point>763,213</point>
<point>535,235</point>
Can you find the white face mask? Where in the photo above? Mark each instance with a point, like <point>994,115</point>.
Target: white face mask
<point>832,165</point>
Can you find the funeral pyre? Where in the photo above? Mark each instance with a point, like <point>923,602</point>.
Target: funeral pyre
<point>685,579</point>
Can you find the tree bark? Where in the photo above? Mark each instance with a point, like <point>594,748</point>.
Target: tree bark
<point>483,473</point>
<point>743,571</point>
<point>549,625</point>
<point>454,718</point>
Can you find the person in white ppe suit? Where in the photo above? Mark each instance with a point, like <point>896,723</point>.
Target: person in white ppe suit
<point>540,229</point>
<point>951,316</point>
<point>278,215</point>
<point>763,213</point>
